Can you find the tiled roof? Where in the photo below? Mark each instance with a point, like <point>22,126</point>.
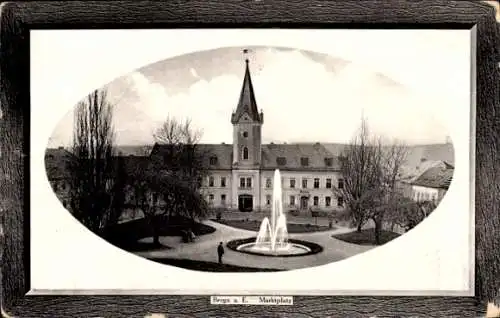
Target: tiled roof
<point>317,156</point>
<point>409,173</point>
<point>129,150</point>
<point>315,152</point>
<point>334,148</point>
<point>436,177</point>
<point>223,153</point>
<point>434,152</point>
<point>57,159</point>
<point>271,153</point>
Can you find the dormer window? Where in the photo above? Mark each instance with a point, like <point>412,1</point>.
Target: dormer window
<point>213,160</point>
<point>245,153</point>
<point>304,161</point>
<point>328,162</point>
<point>281,161</point>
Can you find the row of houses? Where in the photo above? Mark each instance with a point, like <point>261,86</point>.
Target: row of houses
<point>302,190</point>
<point>240,174</point>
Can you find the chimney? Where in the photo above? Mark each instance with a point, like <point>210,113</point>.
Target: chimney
<point>60,148</point>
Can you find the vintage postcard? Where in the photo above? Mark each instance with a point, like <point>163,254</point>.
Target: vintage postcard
<point>272,162</point>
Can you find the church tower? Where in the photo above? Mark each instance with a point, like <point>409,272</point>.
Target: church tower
<point>247,127</point>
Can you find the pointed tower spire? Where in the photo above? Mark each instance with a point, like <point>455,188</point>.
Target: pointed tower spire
<point>247,103</point>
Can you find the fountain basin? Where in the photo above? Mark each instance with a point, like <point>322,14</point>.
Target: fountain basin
<point>293,248</point>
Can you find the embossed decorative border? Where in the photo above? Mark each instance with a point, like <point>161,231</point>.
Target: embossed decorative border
<point>18,18</point>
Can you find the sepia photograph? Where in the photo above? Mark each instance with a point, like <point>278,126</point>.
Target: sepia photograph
<point>262,158</point>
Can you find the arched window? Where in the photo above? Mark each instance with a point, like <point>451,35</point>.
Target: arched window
<point>245,153</point>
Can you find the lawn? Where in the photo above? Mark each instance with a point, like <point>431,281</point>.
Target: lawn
<point>209,266</point>
<point>126,235</point>
<point>366,237</point>
<point>254,225</point>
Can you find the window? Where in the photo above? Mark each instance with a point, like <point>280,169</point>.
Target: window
<point>245,153</point>
<point>340,201</point>
<point>328,201</point>
<point>268,183</point>
<point>223,182</point>
<point>292,183</point>
<point>242,182</point>
<point>315,201</point>
<point>213,160</point>
<point>328,162</point>
<point>245,134</point>
<point>304,183</point>
<point>341,183</point>
<point>427,196</point>
<point>328,183</point>
<point>223,199</point>
<point>292,200</point>
<point>210,181</point>
<point>268,199</point>
<point>281,161</point>
<point>249,182</point>
<point>316,183</point>
<point>200,182</point>
<point>211,198</point>
<point>304,161</point>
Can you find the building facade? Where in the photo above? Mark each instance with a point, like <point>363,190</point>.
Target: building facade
<point>433,183</point>
<point>240,174</point>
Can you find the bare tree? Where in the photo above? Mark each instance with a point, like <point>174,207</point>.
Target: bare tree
<point>370,167</point>
<point>181,140</point>
<point>393,155</point>
<point>167,184</point>
<point>159,193</point>
<point>91,165</point>
<point>409,213</point>
<point>361,171</point>
<point>183,158</point>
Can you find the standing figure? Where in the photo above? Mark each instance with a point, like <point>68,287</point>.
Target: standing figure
<point>220,252</point>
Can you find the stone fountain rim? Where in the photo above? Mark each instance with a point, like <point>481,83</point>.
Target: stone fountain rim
<point>314,248</point>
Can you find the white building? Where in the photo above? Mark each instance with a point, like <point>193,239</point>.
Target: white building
<point>241,174</point>
<point>433,183</point>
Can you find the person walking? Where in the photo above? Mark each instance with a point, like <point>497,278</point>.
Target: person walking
<point>220,252</point>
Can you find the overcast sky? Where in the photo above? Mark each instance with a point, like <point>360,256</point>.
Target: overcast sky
<point>405,87</point>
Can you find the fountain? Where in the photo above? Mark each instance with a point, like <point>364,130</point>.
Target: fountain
<point>272,238</point>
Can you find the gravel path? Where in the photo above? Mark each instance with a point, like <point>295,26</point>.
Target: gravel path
<point>204,249</point>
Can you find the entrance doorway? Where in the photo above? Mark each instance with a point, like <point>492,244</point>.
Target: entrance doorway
<point>304,202</point>
<point>245,203</point>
